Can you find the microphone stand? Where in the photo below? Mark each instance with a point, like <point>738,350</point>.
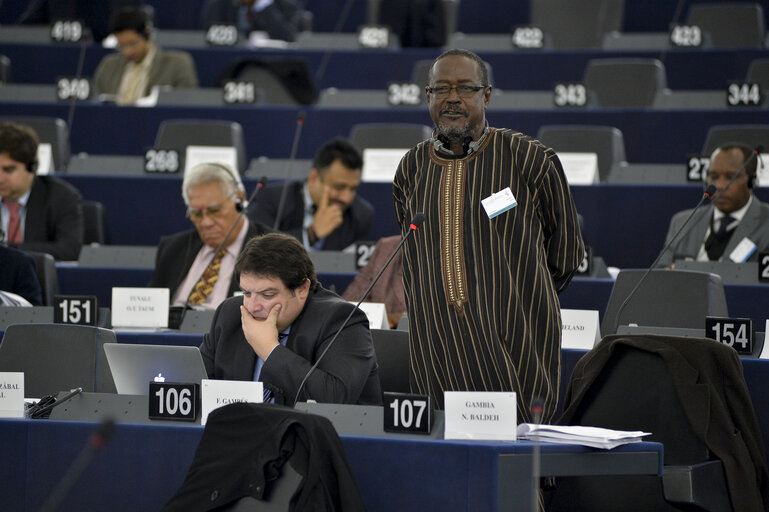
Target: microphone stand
<point>416,222</point>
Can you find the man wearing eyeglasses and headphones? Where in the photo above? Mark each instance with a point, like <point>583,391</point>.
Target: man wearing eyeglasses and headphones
<point>198,265</point>
<point>501,239</point>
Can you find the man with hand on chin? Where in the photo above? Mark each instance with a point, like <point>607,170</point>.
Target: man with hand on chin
<point>281,325</point>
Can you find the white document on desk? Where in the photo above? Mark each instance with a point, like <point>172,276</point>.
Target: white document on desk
<point>595,437</point>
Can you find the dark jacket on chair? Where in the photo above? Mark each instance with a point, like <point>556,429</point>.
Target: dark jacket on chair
<point>711,387</point>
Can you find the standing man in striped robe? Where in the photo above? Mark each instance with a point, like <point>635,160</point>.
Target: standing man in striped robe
<point>482,282</point>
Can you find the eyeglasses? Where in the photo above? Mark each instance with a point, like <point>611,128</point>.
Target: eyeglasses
<point>464,91</point>
<point>213,211</point>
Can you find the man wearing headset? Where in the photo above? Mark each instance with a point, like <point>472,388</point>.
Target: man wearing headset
<point>131,74</point>
<point>37,213</point>
<point>735,225</point>
<point>188,262</point>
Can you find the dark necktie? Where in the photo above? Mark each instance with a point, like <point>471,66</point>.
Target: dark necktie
<point>267,392</point>
<point>716,243</point>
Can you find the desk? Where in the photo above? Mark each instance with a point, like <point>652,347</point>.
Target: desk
<point>143,465</point>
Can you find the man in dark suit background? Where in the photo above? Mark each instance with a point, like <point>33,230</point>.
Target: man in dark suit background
<point>18,275</point>
<point>281,325</point>
<point>214,195</point>
<point>37,213</point>
<point>324,212</point>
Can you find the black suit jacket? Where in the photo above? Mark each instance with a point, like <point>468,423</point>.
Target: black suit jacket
<point>355,226</point>
<point>347,374</point>
<point>177,252</point>
<point>17,275</point>
<point>54,219</point>
<point>711,387</point>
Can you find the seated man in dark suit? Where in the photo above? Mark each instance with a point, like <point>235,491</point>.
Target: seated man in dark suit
<point>733,217</point>
<point>325,212</point>
<point>37,213</point>
<point>281,19</point>
<point>140,65</point>
<point>283,323</point>
<point>188,262</point>
<point>18,275</point>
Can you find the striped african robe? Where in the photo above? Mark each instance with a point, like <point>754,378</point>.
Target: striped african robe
<point>481,293</point>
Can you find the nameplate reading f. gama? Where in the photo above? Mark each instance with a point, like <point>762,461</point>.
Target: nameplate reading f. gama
<point>140,307</point>
<point>218,393</point>
<point>480,415</point>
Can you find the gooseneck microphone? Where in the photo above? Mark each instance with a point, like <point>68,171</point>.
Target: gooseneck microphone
<point>259,186</point>
<point>300,117</point>
<point>97,440</point>
<point>706,195</point>
<point>416,223</point>
<point>537,408</point>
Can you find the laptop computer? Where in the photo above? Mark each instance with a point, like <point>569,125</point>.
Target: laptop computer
<point>134,366</point>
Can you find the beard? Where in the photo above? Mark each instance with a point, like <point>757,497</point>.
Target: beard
<point>454,132</point>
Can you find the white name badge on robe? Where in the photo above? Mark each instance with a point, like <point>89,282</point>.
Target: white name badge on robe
<point>379,165</point>
<point>218,393</point>
<point>765,349</point>
<point>11,394</point>
<point>499,202</point>
<point>742,252</point>
<point>579,328</point>
<point>483,415</point>
<point>195,155</point>
<point>579,168</point>
<point>44,158</point>
<point>140,307</point>
<point>376,313</point>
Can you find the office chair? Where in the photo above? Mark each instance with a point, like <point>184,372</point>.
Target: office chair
<point>729,25</point>
<point>45,266</point>
<point>421,70</point>
<point>57,357</point>
<point>675,388</point>
<point>569,25</point>
<point>605,141</point>
<point>179,133</point>
<point>667,298</point>
<point>758,72</point>
<point>750,134</point>
<point>282,81</point>
<point>388,135</point>
<point>392,356</point>
<point>94,223</point>
<point>267,457</point>
<point>621,83</point>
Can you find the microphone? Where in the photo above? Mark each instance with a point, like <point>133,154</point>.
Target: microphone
<point>343,15</point>
<point>416,223</point>
<point>78,76</point>
<point>300,117</point>
<point>97,440</point>
<point>537,407</point>
<point>43,408</point>
<point>259,186</point>
<point>708,194</point>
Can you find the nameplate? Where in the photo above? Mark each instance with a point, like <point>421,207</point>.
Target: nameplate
<point>376,313</point>
<point>195,155</point>
<point>379,165</point>
<point>579,168</point>
<point>479,415</point>
<point>579,328</point>
<point>11,394</point>
<point>44,158</point>
<point>173,401</point>
<point>765,350</point>
<point>218,393</point>
<point>697,168</point>
<point>75,309</point>
<point>406,413</point>
<point>140,307</point>
<point>732,332</point>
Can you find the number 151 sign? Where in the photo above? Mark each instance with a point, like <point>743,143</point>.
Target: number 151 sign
<point>75,309</point>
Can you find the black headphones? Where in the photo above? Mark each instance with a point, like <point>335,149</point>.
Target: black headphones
<point>468,145</point>
<point>239,203</point>
<point>32,166</point>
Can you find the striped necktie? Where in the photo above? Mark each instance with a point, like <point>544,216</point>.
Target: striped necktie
<point>268,397</point>
<point>205,284</point>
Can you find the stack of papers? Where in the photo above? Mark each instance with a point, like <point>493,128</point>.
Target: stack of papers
<point>587,436</point>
